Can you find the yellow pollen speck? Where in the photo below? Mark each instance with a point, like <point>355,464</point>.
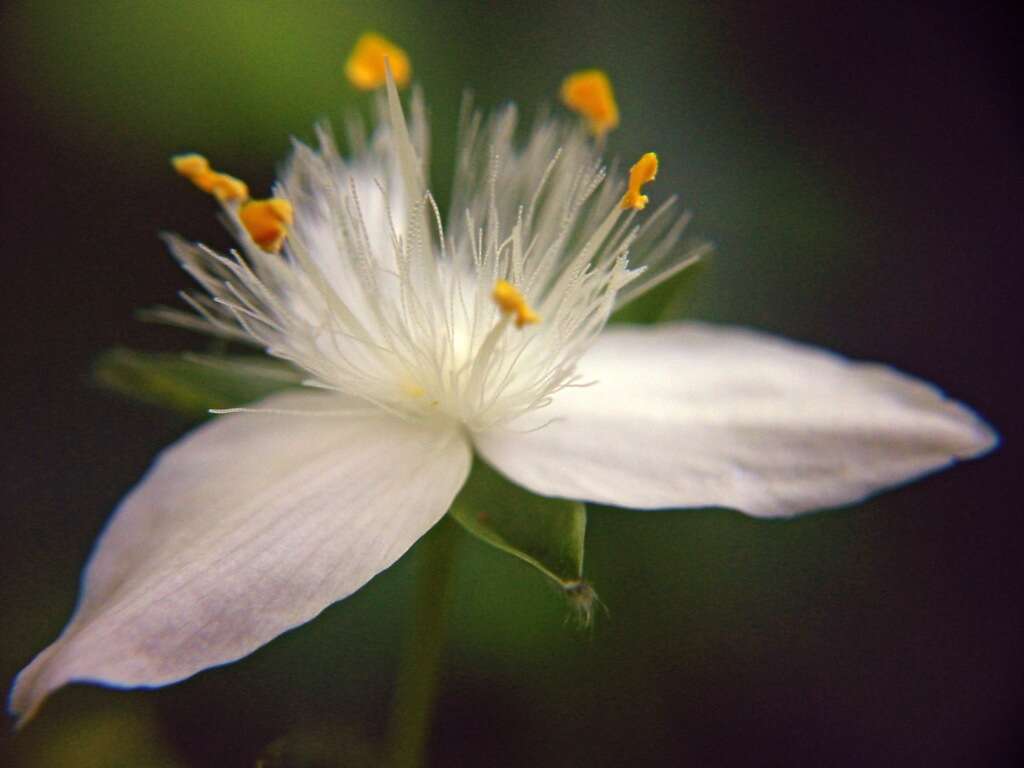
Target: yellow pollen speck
<point>412,389</point>
<point>509,299</point>
<point>267,222</point>
<point>645,169</point>
<point>196,169</point>
<point>365,65</point>
<point>589,93</point>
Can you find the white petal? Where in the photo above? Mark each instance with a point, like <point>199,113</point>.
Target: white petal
<point>247,527</point>
<point>690,415</point>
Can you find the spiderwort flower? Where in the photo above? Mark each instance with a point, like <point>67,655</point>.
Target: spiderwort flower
<point>423,343</point>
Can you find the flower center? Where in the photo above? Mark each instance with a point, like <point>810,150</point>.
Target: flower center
<point>349,273</point>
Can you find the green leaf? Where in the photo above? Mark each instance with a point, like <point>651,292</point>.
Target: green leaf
<point>546,533</point>
<point>192,384</point>
<point>667,301</point>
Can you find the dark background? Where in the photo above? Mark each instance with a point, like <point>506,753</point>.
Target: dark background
<point>858,168</point>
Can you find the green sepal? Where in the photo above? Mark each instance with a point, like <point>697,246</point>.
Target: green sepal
<point>546,533</point>
<point>192,384</point>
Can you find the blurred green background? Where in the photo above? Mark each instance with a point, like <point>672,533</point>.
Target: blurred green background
<point>859,171</point>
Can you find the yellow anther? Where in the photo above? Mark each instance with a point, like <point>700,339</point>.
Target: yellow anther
<point>509,300</point>
<point>645,169</point>
<point>190,165</point>
<point>526,316</point>
<point>589,93</point>
<point>222,186</point>
<point>507,296</point>
<point>196,169</point>
<point>267,222</point>
<point>365,65</point>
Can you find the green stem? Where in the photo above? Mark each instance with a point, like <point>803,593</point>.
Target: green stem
<point>413,707</point>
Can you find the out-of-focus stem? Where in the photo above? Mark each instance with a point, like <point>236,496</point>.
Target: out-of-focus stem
<point>413,707</point>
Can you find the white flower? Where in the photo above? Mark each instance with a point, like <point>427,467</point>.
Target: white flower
<point>422,345</point>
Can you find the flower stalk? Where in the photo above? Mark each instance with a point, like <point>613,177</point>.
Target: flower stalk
<point>419,669</point>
